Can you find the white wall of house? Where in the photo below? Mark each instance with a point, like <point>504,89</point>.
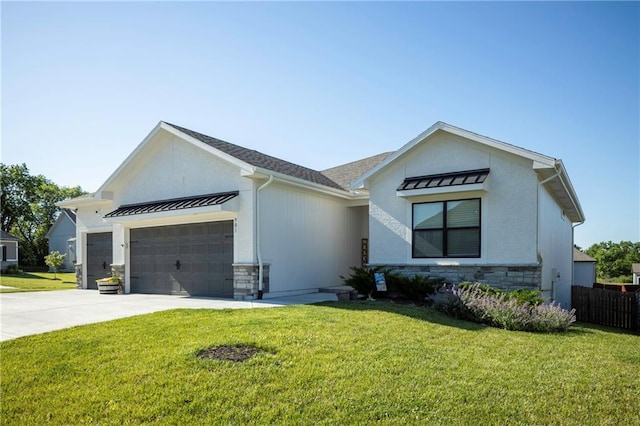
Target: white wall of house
<point>584,273</point>
<point>308,239</point>
<point>169,167</point>
<point>508,206</point>
<point>555,248</point>
<point>89,219</point>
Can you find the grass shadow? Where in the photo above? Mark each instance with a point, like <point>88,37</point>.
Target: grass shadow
<point>25,275</point>
<point>423,313</point>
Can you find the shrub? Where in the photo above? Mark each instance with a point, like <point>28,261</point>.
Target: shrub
<point>54,260</point>
<point>12,270</point>
<point>522,296</point>
<point>363,280</point>
<point>416,288</point>
<point>500,309</point>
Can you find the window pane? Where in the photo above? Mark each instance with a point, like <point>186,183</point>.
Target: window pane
<point>428,216</point>
<point>463,242</point>
<point>427,243</point>
<point>463,213</point>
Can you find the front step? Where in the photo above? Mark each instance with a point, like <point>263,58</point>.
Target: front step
<point>343,292</point>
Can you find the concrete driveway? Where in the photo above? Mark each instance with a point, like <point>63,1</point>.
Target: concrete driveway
<point>24,314</point>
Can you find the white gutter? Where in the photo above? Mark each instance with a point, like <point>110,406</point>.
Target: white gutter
<point>258,250</point>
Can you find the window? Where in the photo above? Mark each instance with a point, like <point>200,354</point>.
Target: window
<point>447,229</point>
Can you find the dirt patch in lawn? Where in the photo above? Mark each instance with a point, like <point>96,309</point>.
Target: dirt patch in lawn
<point>236,353</point>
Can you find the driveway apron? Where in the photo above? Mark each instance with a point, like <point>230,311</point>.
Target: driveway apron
<point>25,314</point>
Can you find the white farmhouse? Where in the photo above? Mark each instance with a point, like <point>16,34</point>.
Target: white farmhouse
<point>190,214</point>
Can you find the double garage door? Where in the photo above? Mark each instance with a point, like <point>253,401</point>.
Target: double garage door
<point>193,259</point>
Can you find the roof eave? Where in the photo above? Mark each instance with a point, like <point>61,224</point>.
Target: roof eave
<point>221,154</point>
<point>539,159</point>
<point>260,173</point>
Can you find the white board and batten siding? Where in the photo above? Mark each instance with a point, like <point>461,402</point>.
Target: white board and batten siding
<point>555,246</point>
<point>307,238</point>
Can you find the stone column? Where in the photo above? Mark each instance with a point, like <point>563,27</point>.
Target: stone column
<point>78,267</point>
<point>117,270</point>
<point>246,280</point>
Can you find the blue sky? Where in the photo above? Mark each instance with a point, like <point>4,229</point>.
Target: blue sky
<point>321,84</point>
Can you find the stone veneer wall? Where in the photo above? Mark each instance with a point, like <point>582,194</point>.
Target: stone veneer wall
<point>78,267</point>
<point>504,277</point>
<point>117,270</point>
<point>245,281</point>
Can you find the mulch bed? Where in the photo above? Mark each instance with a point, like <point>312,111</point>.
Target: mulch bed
<point>237,353</point>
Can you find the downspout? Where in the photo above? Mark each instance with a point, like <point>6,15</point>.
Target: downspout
<point>540,258</point>
<point>258,250</point>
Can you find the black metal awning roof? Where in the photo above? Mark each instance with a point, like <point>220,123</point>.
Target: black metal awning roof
<point>467,177</point>
<point>173,204</point>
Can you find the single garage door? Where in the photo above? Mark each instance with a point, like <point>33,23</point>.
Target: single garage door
<point>194,259</point>
<point>99,257</point>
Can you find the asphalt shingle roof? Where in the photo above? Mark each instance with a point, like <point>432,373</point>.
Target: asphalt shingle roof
<point>258,159</point>
<point>345,174</point>
<point>7,236</point>
<point>579,256</point>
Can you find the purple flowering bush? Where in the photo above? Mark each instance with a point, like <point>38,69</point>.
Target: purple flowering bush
<point>474,303</point>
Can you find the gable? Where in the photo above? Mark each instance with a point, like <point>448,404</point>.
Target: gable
<point>260,160</point>
<point>549,171</point>
<point>170,167</point>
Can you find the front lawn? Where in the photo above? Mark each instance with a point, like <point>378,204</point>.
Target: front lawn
<point>335,363</point>
<point>38,281</point>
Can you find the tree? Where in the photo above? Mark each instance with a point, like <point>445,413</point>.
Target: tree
<point>28,209</point>
<point>54,260</point>
<point>614,259</point>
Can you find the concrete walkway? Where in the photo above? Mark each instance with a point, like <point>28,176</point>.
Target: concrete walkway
<point>24,314</point>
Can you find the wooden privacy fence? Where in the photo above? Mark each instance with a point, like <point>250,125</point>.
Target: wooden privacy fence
<point>606,307</point>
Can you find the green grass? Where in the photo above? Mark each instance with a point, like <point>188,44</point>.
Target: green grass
<point>38,281</point>
<point>336,363</point>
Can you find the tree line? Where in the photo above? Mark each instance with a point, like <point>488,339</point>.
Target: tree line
<point>28,209</point>
<point>614,260</point>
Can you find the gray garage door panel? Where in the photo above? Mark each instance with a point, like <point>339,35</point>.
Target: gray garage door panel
<point>193,259</point>
<point>99,257</point>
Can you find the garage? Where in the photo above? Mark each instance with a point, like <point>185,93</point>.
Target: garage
<point>190,259</point>
<point>99,257</point>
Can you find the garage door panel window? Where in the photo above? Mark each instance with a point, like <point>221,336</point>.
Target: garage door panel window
<point>446,229</point>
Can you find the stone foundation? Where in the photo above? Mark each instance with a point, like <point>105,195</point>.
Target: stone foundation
<point>245,281</point>
<point>504,277</point>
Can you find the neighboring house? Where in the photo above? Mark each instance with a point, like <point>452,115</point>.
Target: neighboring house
<point>635,270</point>
<point>186,213</point>
<point>584,269</point>
<point>9,247</point>
<point>62,237</point>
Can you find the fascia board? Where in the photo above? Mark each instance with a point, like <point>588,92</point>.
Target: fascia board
<point>540,160</point>
<point>571,192</point>
<point>259,172</point>
<point>82,201</point>
<point>361,182</point>
<point>130,158</point>
<point>223,155</point>
<point>503,146</point>
<point>54,226</point>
